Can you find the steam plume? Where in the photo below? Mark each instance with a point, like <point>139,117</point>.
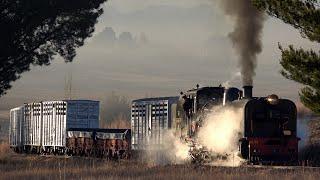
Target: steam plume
<point>171,151</point>
<point>246,36</point>
<point>220,133</point>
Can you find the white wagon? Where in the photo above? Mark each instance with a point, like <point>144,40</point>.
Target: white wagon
<point>42,127</point>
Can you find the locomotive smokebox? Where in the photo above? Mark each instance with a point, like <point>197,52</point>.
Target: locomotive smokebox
<point>247,92</point>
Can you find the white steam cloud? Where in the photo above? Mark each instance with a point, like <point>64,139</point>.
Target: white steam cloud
<point>171,151</point>
<point>305,116</point>
<point>220,134</point>
<point>234,77</point>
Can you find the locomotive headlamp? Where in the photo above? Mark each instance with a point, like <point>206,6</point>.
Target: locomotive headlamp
<point>287,133</point>
<point>273,99</point>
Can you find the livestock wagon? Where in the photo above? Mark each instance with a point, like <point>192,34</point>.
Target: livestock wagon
<point>42,126</point>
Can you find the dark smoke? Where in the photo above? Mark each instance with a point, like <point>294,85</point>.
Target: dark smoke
<point>246,36</point>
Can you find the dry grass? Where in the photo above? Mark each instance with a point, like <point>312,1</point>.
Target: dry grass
<point>4,148</point>
<point>17,166</point>
<point>5,152</point>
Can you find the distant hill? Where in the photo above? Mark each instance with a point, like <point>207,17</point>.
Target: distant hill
<point>109,38</point>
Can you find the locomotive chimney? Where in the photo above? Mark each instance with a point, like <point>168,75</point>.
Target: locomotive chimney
<point>247,92</point>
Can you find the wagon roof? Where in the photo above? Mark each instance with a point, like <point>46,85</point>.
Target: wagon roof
<point>173,98</point>
<point>100,130</point>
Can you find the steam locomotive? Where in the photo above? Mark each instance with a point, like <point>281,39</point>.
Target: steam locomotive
<point>269,133</point>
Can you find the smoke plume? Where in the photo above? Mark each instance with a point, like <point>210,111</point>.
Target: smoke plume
<point>246,36</point>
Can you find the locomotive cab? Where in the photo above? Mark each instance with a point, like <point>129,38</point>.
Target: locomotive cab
<point>195,103</point>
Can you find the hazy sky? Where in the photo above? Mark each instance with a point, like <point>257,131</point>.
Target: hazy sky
<point>131,6</point>
<point>170,46</point>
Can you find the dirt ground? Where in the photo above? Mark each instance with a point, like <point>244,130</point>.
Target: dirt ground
<point>20,166</point>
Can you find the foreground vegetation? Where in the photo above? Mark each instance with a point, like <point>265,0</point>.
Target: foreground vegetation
<point>17,166</point>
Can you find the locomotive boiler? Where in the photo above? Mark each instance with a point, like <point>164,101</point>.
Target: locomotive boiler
<point>269,133</point>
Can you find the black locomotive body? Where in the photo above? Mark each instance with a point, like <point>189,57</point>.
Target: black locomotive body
<point>270,131</point>
<point>269,123</point>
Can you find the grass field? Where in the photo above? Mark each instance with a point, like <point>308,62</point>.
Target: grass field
<point>19,166</point>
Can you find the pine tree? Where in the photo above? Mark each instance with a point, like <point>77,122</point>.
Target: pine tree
<point>300,65</point>
<point>34,31</point>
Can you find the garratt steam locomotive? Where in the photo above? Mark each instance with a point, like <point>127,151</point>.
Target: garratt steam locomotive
<point>269,123</point>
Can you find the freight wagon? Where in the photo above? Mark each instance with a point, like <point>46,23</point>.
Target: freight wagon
<point>103,143</point>
<point>16,130</point>
<point>42,127</point>
<point>151,118</point>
